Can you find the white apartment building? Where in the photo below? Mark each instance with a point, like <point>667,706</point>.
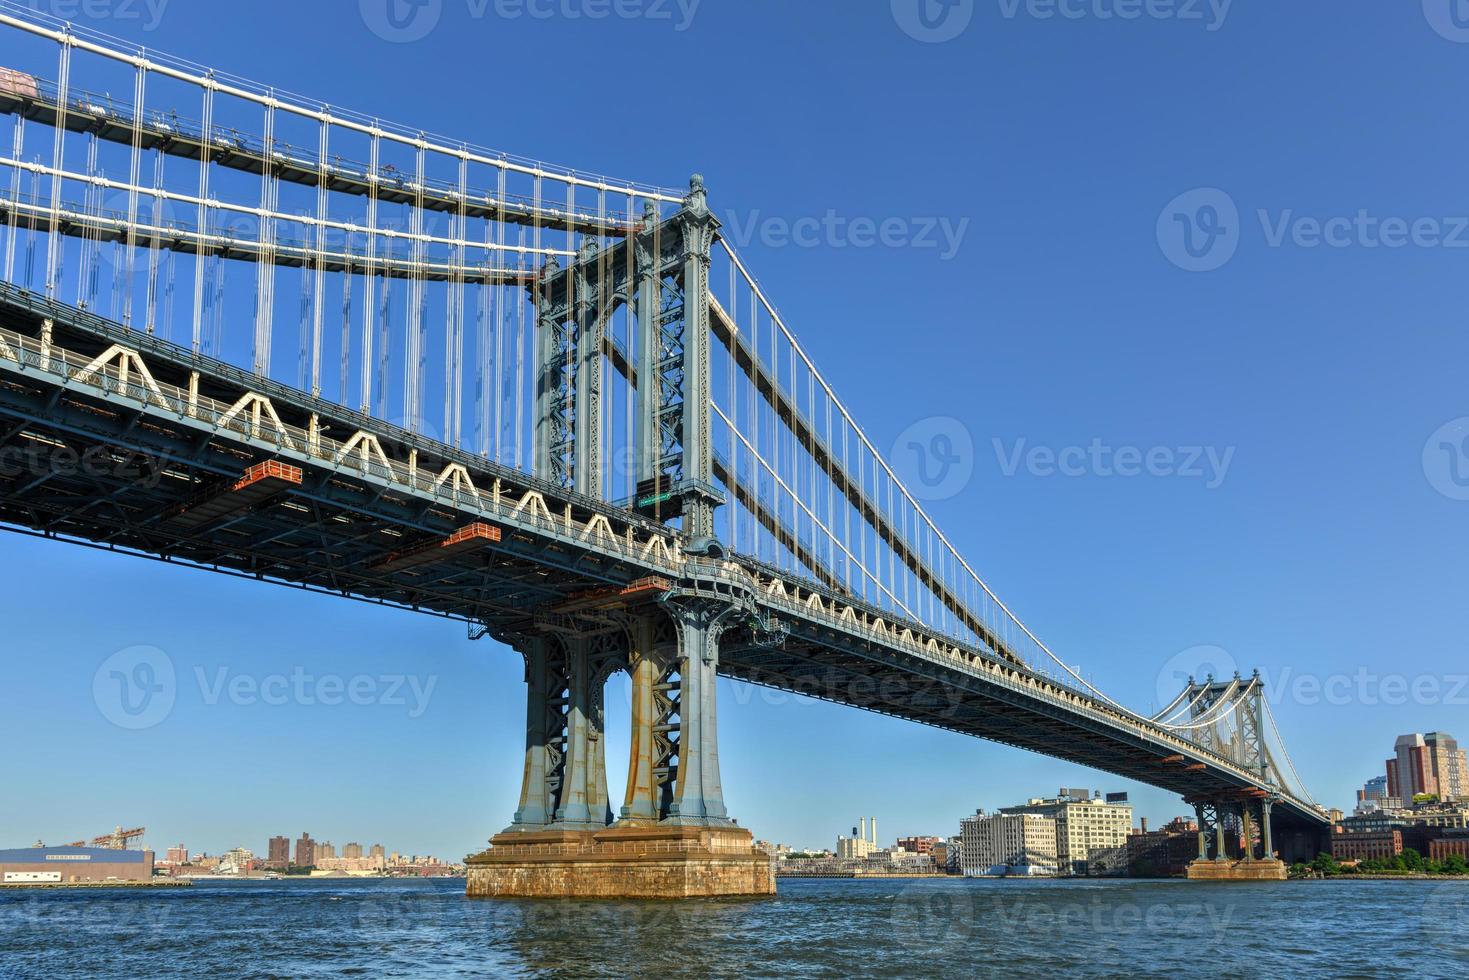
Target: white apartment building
<point>1021,844</point>
<point>1082,827</point>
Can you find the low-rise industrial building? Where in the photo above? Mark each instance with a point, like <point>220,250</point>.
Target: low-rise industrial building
<point>74,865</point>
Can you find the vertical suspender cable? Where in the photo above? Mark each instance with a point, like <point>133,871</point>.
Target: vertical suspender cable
<point>318,312</point>
<point>206,143</point>
<point>368,275</point>
<point>413,378</point>
<point>733,463</point>
<point>13,229</point>
<point>58,153</point>
<point>265,268</point>
<point>150,314</point>
<point>498,294</point>
<point>454,409</point>
<point>135,163</point>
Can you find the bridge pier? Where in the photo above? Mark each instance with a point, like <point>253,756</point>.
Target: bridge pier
<point>674,837</point>
<point>1235,839</point>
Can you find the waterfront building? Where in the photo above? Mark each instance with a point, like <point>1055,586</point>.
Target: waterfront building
<point>352,849</point>
<point>1082,826</point>
<point>278,853</point>
<point>378,852</point>
<point>1453,842</point>
<point>1021,844</point>
<point>305,851</point>
<point>919,845</point>
<point>1166,851</point>
<point>324,849</point>
<point>74,864</point>
<point>860,845</point>
<point>1381,845</point>
<point>178,854</point>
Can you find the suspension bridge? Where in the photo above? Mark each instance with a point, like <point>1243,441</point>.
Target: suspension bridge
<point>245,331</point>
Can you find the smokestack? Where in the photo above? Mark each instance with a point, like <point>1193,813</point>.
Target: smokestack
<point>1145,825</point>
<point>863,822</point>
<point>874,831</point>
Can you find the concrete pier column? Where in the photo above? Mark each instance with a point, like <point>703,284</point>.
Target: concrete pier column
<point>698,797</point>
<point>1203,834</point>
<point>1247,821</point>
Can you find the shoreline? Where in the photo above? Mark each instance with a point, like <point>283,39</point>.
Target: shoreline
<point>162,883</point>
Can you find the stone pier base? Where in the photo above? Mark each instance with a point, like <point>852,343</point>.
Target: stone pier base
<point>622,862</point>
<point>1205,870</point>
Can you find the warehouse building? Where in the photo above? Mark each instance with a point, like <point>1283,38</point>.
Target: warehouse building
<point>74,864</point>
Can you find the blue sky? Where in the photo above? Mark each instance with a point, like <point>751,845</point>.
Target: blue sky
<point>1080,163</point>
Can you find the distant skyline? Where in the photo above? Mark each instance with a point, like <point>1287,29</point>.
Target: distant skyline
<point>1203,406</point>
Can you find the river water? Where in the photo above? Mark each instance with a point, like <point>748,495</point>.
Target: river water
<point>813,928</point>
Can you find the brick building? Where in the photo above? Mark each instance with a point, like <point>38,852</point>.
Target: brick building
<point>1381,845</point>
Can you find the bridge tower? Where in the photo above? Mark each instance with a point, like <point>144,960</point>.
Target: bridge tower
<point>672,836</point>
<point>1236,840</point>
